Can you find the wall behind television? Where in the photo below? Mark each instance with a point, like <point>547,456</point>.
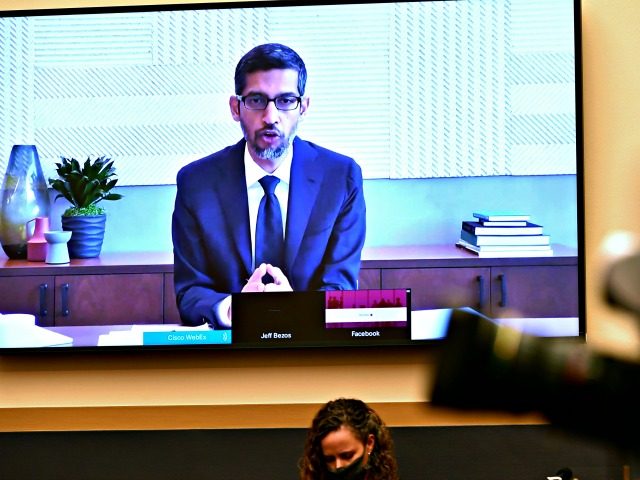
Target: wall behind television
<point>612,147</point>
<point>154,97</point>
<point>142,220</point>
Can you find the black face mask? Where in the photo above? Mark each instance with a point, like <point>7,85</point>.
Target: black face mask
<point>354,471</point>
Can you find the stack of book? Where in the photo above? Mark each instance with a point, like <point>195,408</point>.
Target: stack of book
<point>504,235</point>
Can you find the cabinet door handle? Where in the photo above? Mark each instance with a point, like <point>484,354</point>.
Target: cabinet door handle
<point>480,280</point>
<point>65,300</point>
<point>502,278</point>
<point>43,299</point>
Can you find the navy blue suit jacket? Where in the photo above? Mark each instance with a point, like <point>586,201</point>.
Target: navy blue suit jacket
<point>324,234</point>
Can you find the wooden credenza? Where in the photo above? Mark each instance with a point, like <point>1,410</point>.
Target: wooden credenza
<point>137,287</point>
<point>444,276</point>
<point>115,288</point>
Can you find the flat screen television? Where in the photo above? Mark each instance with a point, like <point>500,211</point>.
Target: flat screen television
<point>453,109</point>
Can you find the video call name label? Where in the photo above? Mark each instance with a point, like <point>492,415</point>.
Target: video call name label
<point>185,337</point>
<point>276,336</point>
<point>375,333</point>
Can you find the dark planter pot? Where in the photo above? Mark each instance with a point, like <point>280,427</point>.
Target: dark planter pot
<point>88,234</point>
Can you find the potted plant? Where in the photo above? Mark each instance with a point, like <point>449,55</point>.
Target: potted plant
<point>84,186</point>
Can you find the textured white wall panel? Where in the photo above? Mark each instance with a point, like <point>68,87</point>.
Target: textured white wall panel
<point>16,85</point>
<point>411,90</point>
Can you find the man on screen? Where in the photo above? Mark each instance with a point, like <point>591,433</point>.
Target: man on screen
<point>301,227</point>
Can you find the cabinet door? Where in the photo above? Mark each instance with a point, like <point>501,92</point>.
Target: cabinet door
<point>171,314</point>
<point>534,291</point>
<point>112,299</point>
<point>369,278</point>
<point>33,295</point>
<point>442,287</point>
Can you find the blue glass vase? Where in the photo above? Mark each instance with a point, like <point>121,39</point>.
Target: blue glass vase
<point>24,196</point>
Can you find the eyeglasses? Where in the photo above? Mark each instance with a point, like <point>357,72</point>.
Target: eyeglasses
<point>257,101</point>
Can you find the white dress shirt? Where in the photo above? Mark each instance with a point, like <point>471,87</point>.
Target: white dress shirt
<point>253,173</point>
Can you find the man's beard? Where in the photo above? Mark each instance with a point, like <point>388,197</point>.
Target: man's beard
<point>270,153</point>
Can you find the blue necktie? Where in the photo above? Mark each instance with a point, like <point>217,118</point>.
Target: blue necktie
<point>269,237</point>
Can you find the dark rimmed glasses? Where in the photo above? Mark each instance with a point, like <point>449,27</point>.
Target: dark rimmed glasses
<point>257,101</point>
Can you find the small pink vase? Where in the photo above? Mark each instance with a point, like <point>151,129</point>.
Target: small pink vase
<point>37,244</point>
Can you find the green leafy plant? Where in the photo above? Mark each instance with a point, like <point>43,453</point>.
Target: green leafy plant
<point>85,185</point>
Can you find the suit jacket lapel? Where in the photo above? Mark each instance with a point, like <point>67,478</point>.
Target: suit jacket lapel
<point>233,198</point>
<point>306,178</point>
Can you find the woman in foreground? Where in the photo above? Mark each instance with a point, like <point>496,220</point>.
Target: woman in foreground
<point>348,441</point>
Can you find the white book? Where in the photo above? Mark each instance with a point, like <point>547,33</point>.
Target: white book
<point>502,248</point>
<point>514,223</point>
<point>508,253</point>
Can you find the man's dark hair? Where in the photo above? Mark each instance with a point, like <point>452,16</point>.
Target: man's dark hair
<point>268,57</point>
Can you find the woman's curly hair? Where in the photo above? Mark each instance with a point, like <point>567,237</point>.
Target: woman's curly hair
<point>362,420</point>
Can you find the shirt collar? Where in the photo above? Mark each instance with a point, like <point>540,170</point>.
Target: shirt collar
<point>253,172</point>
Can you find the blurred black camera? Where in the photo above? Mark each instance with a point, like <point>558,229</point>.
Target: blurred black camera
<point>485,365</point>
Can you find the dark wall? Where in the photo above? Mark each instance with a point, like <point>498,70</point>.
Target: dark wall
<point>439,453</point>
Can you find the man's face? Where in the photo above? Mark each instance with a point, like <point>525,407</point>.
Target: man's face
<point>269,132</point>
